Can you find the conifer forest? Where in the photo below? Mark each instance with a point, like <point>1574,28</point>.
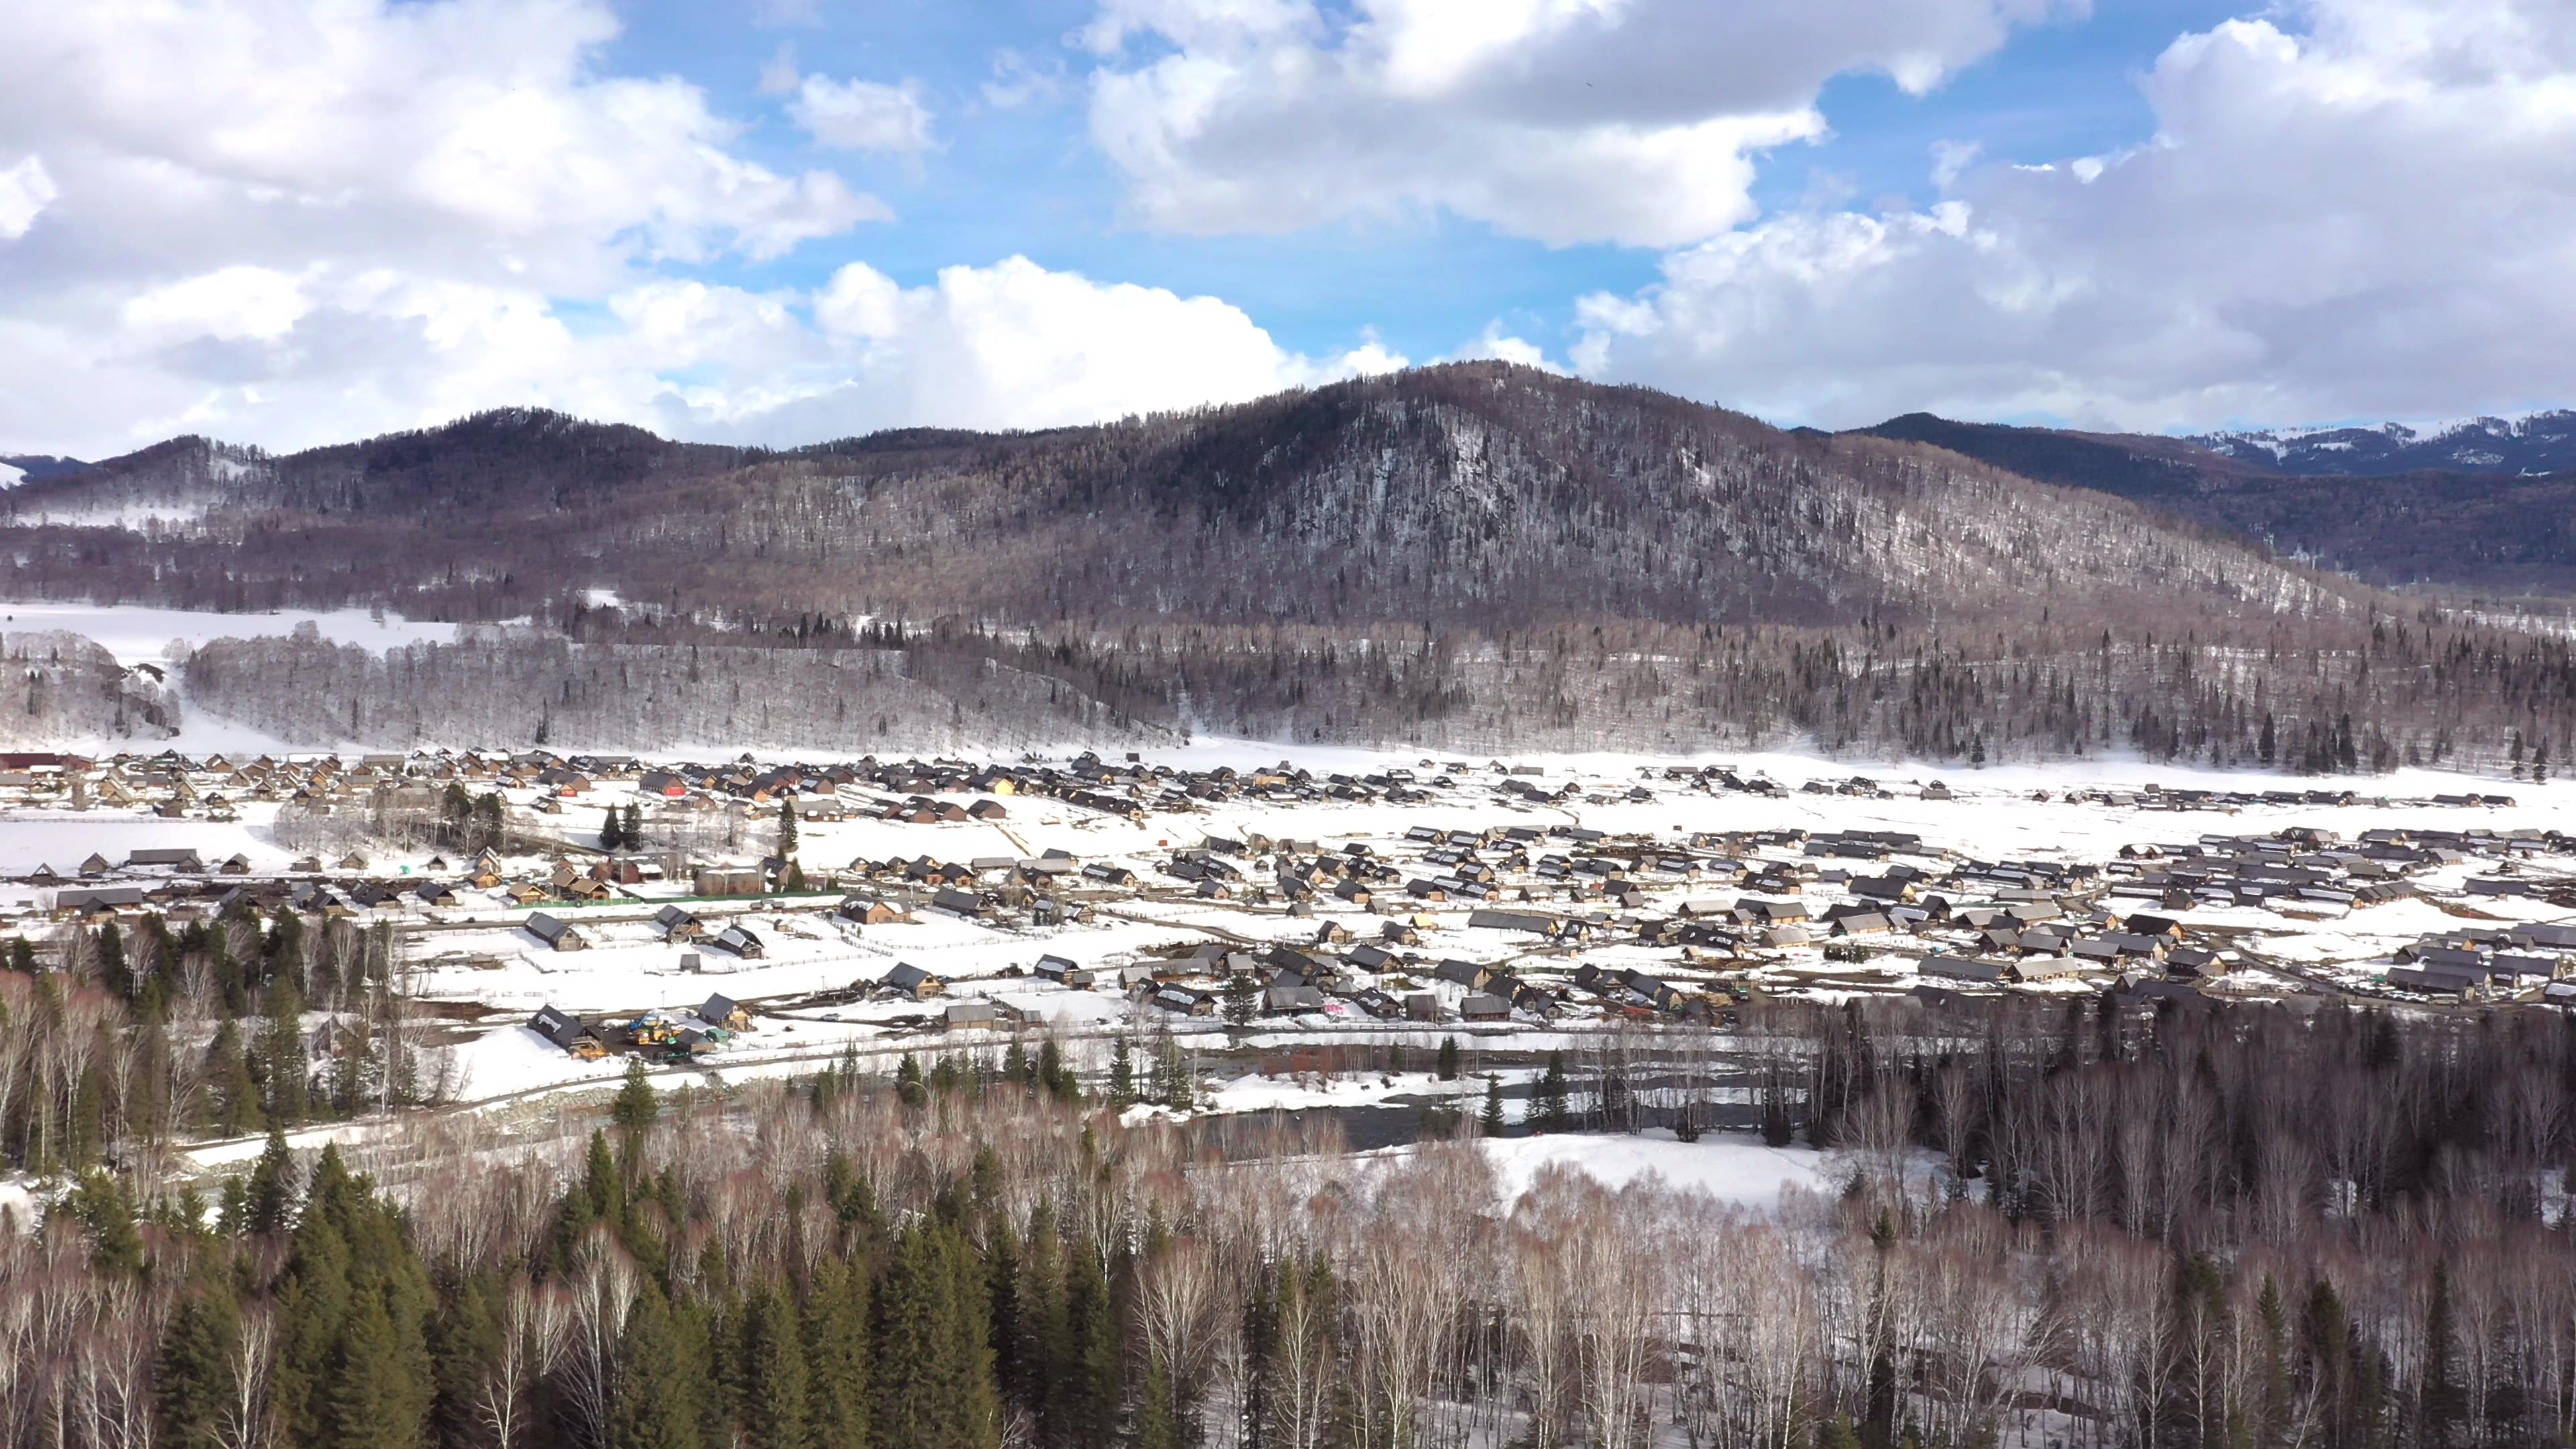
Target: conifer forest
<point>2049,1224</point>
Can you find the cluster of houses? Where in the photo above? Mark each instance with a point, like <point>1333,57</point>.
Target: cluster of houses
<point>1379,928</point>
<point>673,1035</point>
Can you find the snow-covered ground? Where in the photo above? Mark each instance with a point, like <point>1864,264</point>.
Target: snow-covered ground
<point>1727,1166</point>
<point>140,634</point>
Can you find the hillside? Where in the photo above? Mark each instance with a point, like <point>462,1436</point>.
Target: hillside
<point>1478,555</point>
<point>2447,526</point>
<point>1477,493</point>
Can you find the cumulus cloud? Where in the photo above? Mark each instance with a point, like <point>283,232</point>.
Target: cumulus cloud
<point>1633,121</point>
<point>1016,344</point>
<point>303,218</point>
<point>857,115</point>
<point>2357,208</point>
<point>25,189</point>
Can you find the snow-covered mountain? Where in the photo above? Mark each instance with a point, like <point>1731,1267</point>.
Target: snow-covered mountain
<point>2540,443</point>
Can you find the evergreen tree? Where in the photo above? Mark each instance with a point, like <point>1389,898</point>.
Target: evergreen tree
<point>231,1099</point>
<point>661,1385</point>
<point>634,826</point>
<point>612,831</point>
<point>271,1196</point>
<point>1122,1074</point>
<point>376,1400</point>
<point>934,1362</point>
<point>282,1067</point>
<point>907,1082</point>
<point>787,828</point>
<point>636,1105</point>
<point>113,972</point>
<point>1054,1075</point>
<point>1087,1376</point>
<point>193,1375</point>
<point>1491,1121</point>
<point>1242,998</point>
<point>104,1207</point>
<point>1552,1107</point>
<point>773,1373</point>
<point>1448,1063</point>
<point>835,1327</point>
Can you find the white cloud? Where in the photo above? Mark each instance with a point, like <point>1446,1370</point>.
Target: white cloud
<point>25,190</point>
<point>857,115</point>
<point>1018,345</point>
<point>229,305</point>
<point>305,219</point>
<point>1017,81</point>
<point>778,74</point>
<point>2363,208</point>
<point>1634,121</point>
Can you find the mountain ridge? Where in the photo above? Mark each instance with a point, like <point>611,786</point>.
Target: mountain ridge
<point>2534,443</point>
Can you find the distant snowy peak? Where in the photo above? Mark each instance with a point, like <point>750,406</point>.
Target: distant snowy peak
<point>2540,443</point>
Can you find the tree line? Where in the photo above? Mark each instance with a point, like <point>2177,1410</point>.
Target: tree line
<point>2139,1231</point>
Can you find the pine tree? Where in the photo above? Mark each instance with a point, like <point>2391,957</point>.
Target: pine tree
<point>835,1327</point>
<point>612,832</point>
<point>636,1105</point>
<point>192,1376</point>
<point>231,1099</point>
<point>374,1404</point>
<point>634,826</point>
<point>907,1082</point>
<point>1087,1376</point>
<point>282,1065</point>
<point>114,974</point>
<point>1058,1078</point>
<point>103,1206</point>
<point>934,1361</point>
<point>1122,1074</point>
<point>659,1395</point>
<point>1492,1119</point>
<point>1448,1063</point>
<point>271,1197</point>
<point>773,1373</point>
<point>1242,998</point>
<point>1552,1107</point>
<point>787,829</point>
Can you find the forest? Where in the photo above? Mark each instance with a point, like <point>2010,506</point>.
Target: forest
<point>2044,1223</point>
<point>2319,697</point>
<point>1476,557</point>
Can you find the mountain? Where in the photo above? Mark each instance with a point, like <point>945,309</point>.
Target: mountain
<point>2540,443</point>
<point>1484,494</point>
<point>1477,556</point>
<point>18,468</point>
<point>2478,529</point>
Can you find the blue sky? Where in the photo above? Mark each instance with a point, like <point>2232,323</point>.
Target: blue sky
<point>1026,180</point>
<point>294,221</point>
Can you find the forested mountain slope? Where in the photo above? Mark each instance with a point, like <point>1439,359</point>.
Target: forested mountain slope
<point>2441,522</point>
<point>1475,493</point>
<point>1475,554</point>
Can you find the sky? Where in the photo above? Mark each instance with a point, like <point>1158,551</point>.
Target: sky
<point>289,222</point>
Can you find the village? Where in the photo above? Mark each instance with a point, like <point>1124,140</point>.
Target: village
<point>556,913</point>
